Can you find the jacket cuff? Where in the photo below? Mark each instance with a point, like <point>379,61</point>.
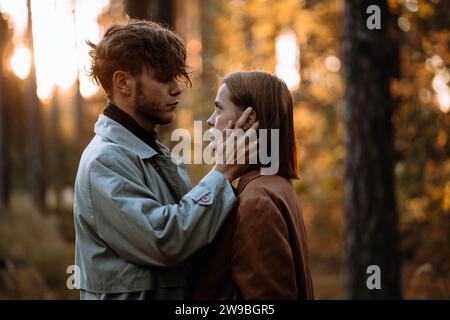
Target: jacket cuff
<point>216,179</point>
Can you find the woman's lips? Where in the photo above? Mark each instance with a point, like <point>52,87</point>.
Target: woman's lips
<point>173,104</point>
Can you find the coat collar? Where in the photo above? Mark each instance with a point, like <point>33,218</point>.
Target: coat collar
<point>241,182</point>
<point>117,133</point>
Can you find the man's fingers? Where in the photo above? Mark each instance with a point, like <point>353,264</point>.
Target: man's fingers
<point>243,118</point>
<point>254,127</point>
<point>227,128</point>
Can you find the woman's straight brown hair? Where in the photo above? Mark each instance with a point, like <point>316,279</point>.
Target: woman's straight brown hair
<point>272,102</point>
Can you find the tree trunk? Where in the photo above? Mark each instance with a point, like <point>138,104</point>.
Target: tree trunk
<point>56,154</point>
<point>156,10</point>
<point>370,57</point>
<point>80,118</point>
<point>36,156</point>
<point>4,154</point>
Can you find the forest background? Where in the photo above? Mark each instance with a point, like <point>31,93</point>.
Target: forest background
<point>49,107</point>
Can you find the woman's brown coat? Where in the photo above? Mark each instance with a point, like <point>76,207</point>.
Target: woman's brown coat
<point>261,251</point>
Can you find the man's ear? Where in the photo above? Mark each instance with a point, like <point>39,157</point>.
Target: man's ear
<point>122,82</point>
<point>250,121</point>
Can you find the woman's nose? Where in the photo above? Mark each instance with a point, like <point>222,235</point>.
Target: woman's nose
<point>211,121</point>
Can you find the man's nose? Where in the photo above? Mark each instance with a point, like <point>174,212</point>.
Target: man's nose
<point>175,89</point>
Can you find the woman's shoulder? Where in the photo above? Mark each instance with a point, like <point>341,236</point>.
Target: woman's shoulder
<point>259,190</point>
<point>255,183</point>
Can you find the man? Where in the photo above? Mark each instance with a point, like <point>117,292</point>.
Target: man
<point>136,217</point>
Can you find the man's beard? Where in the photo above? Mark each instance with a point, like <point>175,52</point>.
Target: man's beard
<point>149,108</point>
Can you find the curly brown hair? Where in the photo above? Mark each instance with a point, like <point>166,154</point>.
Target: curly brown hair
<point>134,45</point>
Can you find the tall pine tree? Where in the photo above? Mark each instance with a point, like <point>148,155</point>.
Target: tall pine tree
<point>370,62</point>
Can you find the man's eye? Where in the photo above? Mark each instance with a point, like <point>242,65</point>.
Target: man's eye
<point>165,79</point>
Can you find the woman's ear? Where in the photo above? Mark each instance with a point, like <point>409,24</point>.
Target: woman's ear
<point>250,121</point>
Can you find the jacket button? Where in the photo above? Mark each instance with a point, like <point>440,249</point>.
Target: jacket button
<point>205,198</point>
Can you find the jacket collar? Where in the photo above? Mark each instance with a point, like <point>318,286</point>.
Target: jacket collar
<point>114,131</point>
<point>242,181</point>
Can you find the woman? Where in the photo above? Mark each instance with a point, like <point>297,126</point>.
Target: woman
<point>261,251</point>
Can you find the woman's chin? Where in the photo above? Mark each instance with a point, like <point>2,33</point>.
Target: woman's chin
<point>211,146</point>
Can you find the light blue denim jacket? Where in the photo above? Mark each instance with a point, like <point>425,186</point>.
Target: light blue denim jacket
<point>137,217</point>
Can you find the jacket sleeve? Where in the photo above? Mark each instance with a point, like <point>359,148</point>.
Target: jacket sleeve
<point>129,218</point>
<point>262,262</point>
